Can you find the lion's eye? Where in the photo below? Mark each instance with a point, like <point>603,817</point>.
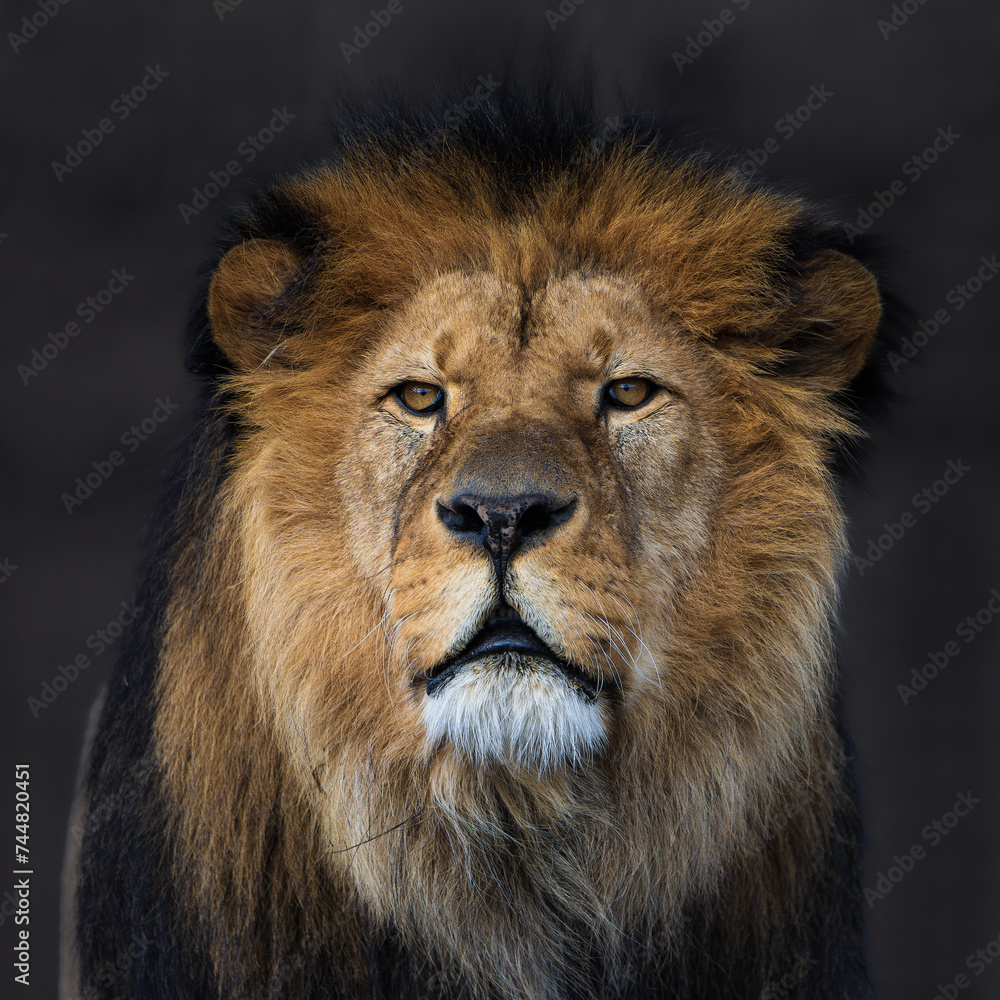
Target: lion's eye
<point>628,393</point>
<point>420,397</point>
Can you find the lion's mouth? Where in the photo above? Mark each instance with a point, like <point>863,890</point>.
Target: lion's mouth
<point>506,634</point>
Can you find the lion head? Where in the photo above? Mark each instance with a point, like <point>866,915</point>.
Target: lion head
<point>508,625</point>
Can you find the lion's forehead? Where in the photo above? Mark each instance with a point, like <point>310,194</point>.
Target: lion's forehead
<point>573,325</point>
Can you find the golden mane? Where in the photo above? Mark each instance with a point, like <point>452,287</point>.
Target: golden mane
<point>306,810</point>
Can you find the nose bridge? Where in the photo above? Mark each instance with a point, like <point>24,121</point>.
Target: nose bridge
<point>514,458</point>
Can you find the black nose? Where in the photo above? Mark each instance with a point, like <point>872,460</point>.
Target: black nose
<point>504,524</point>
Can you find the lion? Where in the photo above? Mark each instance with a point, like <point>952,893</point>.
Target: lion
<point>487,644</point>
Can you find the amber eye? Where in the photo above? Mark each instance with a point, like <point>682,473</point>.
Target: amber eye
<point>628,393</point>
<point>420,397</point>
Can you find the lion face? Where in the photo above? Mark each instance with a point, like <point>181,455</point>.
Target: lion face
<point>532,517</point>
<point>511,530</point>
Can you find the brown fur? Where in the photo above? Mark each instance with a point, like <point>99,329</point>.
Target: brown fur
<point>699,574</point>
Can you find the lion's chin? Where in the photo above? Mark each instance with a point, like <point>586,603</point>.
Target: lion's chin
<point>517,711</point>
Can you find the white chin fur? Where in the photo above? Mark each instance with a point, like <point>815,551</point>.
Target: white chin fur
<point>522,713</point>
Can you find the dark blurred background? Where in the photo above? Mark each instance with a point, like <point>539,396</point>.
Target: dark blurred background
<point>881,94</point>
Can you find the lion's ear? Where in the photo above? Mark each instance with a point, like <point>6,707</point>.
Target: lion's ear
<point>248,305</point>
<point>827,330</point>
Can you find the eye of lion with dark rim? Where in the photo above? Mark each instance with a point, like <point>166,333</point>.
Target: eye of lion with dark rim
<point>420,397</point>
<point>628,393</point>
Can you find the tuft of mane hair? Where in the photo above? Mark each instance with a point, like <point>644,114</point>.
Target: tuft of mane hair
<point>303,781</point>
